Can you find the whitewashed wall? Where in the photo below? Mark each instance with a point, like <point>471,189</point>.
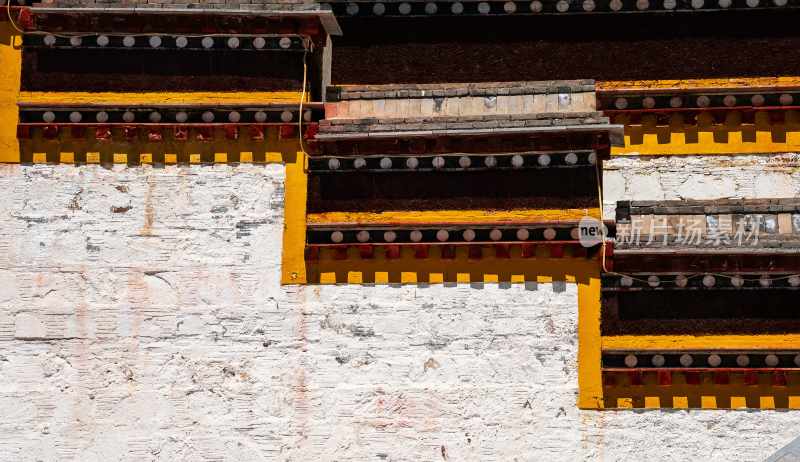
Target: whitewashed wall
<point>141,319</point>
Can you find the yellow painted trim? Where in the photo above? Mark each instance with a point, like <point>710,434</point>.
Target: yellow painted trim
<point>158,98</point>
<point>706,342</point>
<point>451,216</point>
<point>293,264</point>
<point>10,70</point>
<point>590,384</point>
<point>746,83</point>
<point>706,137</point>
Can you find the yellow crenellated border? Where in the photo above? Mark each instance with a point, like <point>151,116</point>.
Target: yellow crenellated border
<point>738,83</point>
<point>706,137</point>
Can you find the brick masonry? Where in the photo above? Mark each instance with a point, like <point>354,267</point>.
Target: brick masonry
<point>142,319</point>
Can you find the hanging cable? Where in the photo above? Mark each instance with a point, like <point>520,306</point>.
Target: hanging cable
<point>11,20</point>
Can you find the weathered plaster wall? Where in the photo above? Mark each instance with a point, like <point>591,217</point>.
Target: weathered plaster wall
<point>141,319</point>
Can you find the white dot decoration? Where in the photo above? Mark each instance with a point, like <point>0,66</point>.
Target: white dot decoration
<point>780,2</point>
<point>589,5</point>
<point>490,161</point>
<point>101,117</point>
<point>495,234</point>
<point>438,162</point>
<point>523,234</point>
<point>771,360</point>
<point>615,5</point>
<point>155,41</point>
<point>49,116</point>
<point>307,116</point>
<point>626,281</point>
<point>259,43</point>
<point>562,6</point>
<point>155,117</point>
<point>334,164</point>
<point>510,7</point>
<point>765,281</point>
<point>676,102</point>
<point>797,360</point>
<point>352,9</point>
<point>620,103</point>
<point>389,236</point>
<point>181,117</point>
<point>786,99</point>
<point>128,116</point>
<point>649,102</point>
<point>464,162</point>
<point>102,40</point>
<point>457,8</point>
<point>208,117</point>
<point>631,361</point>
<point>543,160</point>
<point>207,42</point>
<point>752,3</point>
<point>794,281</point>
<point>378,9</point>
<point>404,8</point>
<point>725,3</point>
<point>592,158</point>
<point>75,41</point>
<point>362,236</point>
<point>181,42</point>
<point>729,101</point>
<point>549,234</point>
<point>709,280</point>
<point>742,360</point>
<point>642,5</point>
<point>49,40</point>
<point>287,116</point>
<point>703,101</point>
<point>233,42</point>
<point>431,8</point>
<point>337,237</point>
<point>412,162</point>
<point>536,6</point>
<point>75,117</point>
<point>657,360</point>
<point>442,235</point>
<point>483,8</point>
<point>686,360</point>
<point>415,236</point>
<point>517,161</point>
<point>468,235</point>
<point>359,163</point>
<point>653,281</point>
<point>234,117</point>
<point>737,281</point>
<point>129,41</point>
<point>681,280</point>
<point>670,4</point>
<point>260,116</point>
<point>386,163</point>
<point>285,42</point>
<point>571,158</point>
<point>757,100</point>
<point>697,4</point>
<point>575,234</point>
<point>714,360</point>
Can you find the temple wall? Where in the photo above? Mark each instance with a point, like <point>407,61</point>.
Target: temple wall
<point>141,318</point>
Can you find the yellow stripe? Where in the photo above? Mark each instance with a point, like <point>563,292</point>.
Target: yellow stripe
<point>11,59</point>
<point>451,217</point>
<point>158,98</point>
<point>705,342</point>
<point>745,83</point>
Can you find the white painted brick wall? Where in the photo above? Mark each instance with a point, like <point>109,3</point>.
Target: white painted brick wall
<point>161,333</point>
